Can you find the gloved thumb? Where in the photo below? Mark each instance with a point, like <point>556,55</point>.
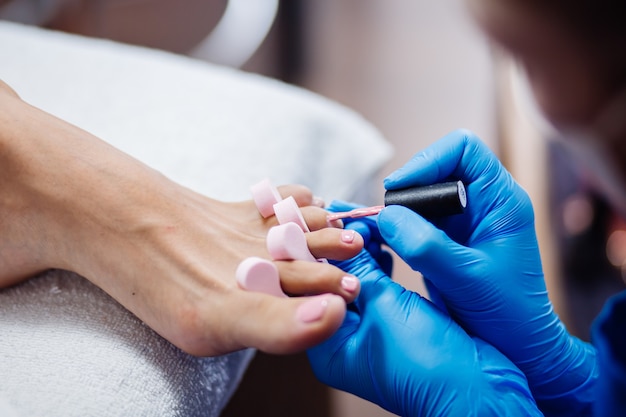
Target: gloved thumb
<point>427,249</point>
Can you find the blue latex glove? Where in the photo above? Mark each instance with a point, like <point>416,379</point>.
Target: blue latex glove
<point>398,350</point>
<point>486,266</point>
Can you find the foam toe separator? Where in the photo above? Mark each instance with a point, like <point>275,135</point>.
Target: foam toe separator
<point>265,195</point>
<point>287,211</point>
<point>287,242</point>
<point>260,275</point>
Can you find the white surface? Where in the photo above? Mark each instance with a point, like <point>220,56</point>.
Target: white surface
<point>66,348</point>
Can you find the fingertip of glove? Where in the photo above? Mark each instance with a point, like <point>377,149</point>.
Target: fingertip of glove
<point>394,216</point>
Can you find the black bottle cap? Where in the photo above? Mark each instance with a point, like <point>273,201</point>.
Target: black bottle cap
<point>431,201</point>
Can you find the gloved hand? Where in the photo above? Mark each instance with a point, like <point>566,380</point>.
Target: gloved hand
<point>398,350</point>
<point>486,266</point>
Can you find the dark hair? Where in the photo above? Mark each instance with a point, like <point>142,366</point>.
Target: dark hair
<point>592,19</point>
<point>600,24</point>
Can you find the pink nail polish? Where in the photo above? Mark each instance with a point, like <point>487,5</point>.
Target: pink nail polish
<point>349,283</point>
<point>312,310</point>
<point>347,236</point>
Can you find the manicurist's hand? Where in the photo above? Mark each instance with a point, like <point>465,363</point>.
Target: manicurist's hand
<point>486,267</point>
<point>398,350</point>
<point>168,254</point>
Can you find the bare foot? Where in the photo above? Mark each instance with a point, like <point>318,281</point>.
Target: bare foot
<point>168,254</point>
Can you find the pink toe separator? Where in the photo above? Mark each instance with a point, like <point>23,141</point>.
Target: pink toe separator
<point>265,195</point>
<point>284,242</point>
<point>260,275</point>
<point>287,211</point>
<point>287,242</point>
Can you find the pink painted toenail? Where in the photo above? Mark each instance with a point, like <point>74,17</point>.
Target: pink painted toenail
<point>349,283</point>
<point>312,310</point>
<point>347,236</point>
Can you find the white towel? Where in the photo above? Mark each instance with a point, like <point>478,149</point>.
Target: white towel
<point>67,348</point>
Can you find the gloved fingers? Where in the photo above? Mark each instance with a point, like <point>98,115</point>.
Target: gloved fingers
<point>427,249</point>
<point>372,242</point>
<point>362,266</point>
<point>490,188</point>
<point>435,296</point>
<point>328,358</point>
<point>499,372</point>
<point>374,281</point>
<point>385,261</point>
<point>381,257</point>
<point>459,155</point>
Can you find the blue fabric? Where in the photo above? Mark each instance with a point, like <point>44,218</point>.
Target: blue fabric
<point>609,337</point>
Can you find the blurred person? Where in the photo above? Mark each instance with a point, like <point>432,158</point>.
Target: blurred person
<point>449,357</point>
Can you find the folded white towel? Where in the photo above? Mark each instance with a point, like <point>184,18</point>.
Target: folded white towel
<point>67,348</point>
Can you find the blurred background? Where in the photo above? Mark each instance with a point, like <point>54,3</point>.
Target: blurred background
<point>416,69</point>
